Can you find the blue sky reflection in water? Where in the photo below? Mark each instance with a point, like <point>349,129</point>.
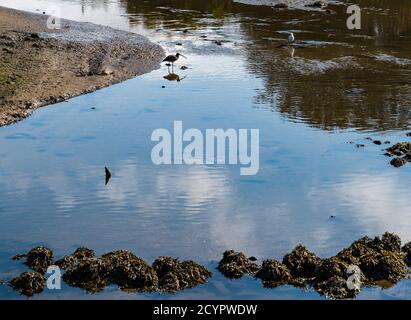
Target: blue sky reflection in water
<point>308,107</point>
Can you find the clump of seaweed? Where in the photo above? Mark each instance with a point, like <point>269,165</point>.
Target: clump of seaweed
<point>301,262</point>
<point>175,275</point>
<point>28,283</point>
<point>235,264</point>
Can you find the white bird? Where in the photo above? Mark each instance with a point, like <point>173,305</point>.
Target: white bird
<point>291,38</point>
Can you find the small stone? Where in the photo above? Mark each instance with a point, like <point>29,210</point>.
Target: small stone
<point>377,142</point>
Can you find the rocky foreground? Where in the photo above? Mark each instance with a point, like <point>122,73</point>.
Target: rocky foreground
<point>40,66</point>
<point>366,262</point>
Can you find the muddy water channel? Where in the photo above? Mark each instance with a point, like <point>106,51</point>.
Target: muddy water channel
<point>319,105</point>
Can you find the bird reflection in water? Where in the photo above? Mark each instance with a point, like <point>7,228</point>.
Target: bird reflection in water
<point>171,76</point>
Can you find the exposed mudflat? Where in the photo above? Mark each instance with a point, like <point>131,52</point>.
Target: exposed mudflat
<point>40,66</point>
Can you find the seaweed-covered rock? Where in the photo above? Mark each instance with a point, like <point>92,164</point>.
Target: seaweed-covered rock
<point>39,259</point>
<point>129,271</point>
<point>235,264</point>
<point>83,253</point>
<point>384,265</point>
<point>406,249</point>
<point>400,149</point>
<point>28,283</point>
<point>301,262</point>
<point>398,162</point>
<point>273,272</point>
<point>66,262</point>
<point>331,267</point>
<point>89,274</point>
<point>77,256</point>
<point>335,288</point>
<point>389,241</point>
<point>175,275</point>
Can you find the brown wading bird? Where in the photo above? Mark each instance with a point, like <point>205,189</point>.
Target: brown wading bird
<point>173,58</point>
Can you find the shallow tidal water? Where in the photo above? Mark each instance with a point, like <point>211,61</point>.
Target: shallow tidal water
<point>337,86</point>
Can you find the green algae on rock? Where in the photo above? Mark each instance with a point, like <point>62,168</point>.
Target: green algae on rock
<point>28,283</point>
<point>235,264</point>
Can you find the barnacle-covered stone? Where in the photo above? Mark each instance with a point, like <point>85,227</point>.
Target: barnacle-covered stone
<point>235,264</point>
<point>28,283</point>
<point>39,259</point>
<point>301,262</point>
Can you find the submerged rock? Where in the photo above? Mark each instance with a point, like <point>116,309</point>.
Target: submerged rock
<point>28,283</point>
<point>301,262</point>
<point>235,264</point>
<point>175,275</point>
<point>273,273</point>
<point>39,259</point>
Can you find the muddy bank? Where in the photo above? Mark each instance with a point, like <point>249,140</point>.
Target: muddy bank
<point>381,261</point>
<point>40,66</point>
